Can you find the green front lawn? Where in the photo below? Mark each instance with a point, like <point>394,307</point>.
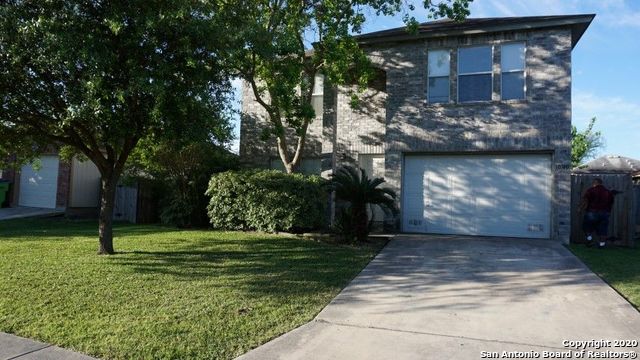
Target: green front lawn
<point>620,267</point>
<point>167,293</point>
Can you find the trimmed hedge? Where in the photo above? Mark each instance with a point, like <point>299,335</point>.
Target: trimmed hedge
<point>266,200</point>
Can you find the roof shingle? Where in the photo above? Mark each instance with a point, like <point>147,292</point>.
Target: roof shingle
<point>610,164</point>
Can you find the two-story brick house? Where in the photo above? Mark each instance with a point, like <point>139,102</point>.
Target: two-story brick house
<point>469,122</point>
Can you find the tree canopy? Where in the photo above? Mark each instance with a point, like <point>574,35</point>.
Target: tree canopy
<point>585,143</point>
<point>282,45</point>
<point>179,172</point>
<point>96,77</point>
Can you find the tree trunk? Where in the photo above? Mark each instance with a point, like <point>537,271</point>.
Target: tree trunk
<point>289,168</point>
<point>105,224</point>
<point>360,221</point>
<point>284,156</point>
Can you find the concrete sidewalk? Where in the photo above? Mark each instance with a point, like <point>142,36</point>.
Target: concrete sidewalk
<point>447,297</point>
<point>15,347</point>
<point>26,212</point>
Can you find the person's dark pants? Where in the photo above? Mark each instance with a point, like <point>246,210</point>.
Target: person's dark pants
<point>596,222</point>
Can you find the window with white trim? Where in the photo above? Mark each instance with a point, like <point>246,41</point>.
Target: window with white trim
<point>512,63</point>
<point>438,76</point>
<point>475,73</point>
<point>317,95</point>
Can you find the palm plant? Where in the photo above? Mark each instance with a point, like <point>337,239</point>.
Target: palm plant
<point>352,185</point>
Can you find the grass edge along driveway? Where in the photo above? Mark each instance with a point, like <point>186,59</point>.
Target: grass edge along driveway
<point>168,293</point>
<point>619,267</point>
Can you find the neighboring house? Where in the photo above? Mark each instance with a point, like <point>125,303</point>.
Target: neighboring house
<point>469,122</point>
<point>74,187</point>
<point>56,184</point>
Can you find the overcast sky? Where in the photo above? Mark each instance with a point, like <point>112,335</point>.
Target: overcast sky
<point>606,78</point>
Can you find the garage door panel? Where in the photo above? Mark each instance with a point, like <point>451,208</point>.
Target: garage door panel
<point>39,184</point>
<point>416,183</point>
<point>503,195</point>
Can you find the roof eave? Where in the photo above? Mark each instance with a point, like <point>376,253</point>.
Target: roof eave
<point>578,24</point>
<point>603,172</point>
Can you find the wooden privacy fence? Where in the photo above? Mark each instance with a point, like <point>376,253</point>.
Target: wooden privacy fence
<point>126,205</point>
<point>136,203</point>
<point>624,216</point>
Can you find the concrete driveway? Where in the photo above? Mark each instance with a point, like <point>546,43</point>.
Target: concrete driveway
<point>26,212</point>
<point>447,297</point>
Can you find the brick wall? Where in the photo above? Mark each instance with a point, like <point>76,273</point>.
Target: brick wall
<point>257,152</point>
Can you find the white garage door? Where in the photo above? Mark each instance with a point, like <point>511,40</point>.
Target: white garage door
<point>492,195</point>
<point>38,187</point>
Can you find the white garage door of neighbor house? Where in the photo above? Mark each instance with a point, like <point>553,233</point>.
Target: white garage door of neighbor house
<point>490,195</point>
<point>38,187</point>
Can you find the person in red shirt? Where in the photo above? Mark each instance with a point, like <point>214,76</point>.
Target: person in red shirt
<point>597,201</point>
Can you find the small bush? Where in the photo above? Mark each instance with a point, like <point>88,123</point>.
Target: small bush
<point>354,186</point>
<point>266,200</point>
<point>343,226</point>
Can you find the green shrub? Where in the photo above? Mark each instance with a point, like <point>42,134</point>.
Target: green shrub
<point>266,200</point>
<point>353,185</point>
<point>177,210</point>
<point>343,226</point>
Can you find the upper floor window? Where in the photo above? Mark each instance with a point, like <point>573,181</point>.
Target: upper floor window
<point>512,67</point>
<point>438,68</point>
<point>475,73</point>
<point>317,95</point>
